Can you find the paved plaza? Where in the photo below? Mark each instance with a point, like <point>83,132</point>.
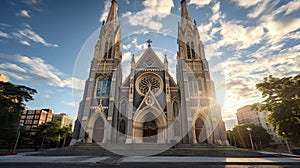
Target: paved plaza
<point>24,160</point>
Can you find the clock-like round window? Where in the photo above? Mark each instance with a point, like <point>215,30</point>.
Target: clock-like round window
<point>149,81</point>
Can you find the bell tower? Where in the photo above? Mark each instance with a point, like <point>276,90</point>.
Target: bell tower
<point>198,100</point>
<point>101,92</point>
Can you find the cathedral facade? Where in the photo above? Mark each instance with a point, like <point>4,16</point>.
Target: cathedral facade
<point>149,106</point>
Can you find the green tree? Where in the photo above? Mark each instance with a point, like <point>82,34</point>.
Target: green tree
<point>240,136</point>
<point>12,99</point>
<point>51,134</point>
<point>282,99</point>
<point>230,138</point>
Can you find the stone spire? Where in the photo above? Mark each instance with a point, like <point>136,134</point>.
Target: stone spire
<point>184,11</point>
<point>113,14</point>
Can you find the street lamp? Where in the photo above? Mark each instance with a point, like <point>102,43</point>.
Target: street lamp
<point>250,136</point>
<point>286,142</point>
<point>18,136</point>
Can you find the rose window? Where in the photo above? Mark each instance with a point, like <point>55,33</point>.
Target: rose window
<point>149,81</point>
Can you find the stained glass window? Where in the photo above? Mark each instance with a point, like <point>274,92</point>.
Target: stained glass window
<point>103,87</point>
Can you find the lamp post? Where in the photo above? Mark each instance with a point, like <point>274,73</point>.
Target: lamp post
<point>42,145</point>
<point>18,136</point>
<point>250,136</point>
<point>286,142</point>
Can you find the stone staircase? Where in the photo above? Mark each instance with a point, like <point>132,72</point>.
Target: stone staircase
<point>94,149</point>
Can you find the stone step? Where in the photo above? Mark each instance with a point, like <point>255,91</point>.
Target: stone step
<point>151,149</point>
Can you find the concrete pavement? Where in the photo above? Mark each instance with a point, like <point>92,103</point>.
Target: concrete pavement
<point>151,159</point>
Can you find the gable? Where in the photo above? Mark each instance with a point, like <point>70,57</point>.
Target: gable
<point>149,60</point>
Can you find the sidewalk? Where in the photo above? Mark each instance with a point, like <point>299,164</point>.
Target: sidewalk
<point>151,159</point>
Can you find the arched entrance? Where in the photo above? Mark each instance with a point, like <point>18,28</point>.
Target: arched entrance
<point>98,131</point>
<point>149,126</point>
<point>200,131</point>
<point>150,132</point>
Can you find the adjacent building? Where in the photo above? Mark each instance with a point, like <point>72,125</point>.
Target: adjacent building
<point>248,115</point>
<point>149,106</point>
<point>64,119</point>
<point>3,78</point>
<point>33,118</point>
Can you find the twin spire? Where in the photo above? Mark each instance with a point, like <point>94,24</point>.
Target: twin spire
<point>113,15</point>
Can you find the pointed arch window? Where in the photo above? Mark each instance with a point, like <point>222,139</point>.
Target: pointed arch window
<point>110,50</point>
<point>103,87</point>
<point>105,49</point>
<point>195,85</point>
<point>175,109</point>
<point>193,50</point>
<point>99,87</point>
<point>122,127</point>
<point>188,48</point>
<point>123,108</point>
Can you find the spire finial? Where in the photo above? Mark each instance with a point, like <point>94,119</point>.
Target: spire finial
<point>149,43</point>
<point>113,15</point>
<point>132,59</point>
<point>184,11</point>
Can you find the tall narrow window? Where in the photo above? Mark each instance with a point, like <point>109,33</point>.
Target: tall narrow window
<point>110,50</point>
<point>108,87</point>
<point>191,88</point>
<point>188,48</point>
<point>105,50</point>
<point>195,87</point>
<point>193,51</point>
<point>200,84</point>
<point>99,87</point>
<point>104,87</point>
<point>123,109</point>
<point>175,109</point>
<point>122,127</point>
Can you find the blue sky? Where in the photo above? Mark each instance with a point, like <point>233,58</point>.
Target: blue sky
<point>47,44</point>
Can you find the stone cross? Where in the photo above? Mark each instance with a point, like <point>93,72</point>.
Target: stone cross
<point>149,43</point>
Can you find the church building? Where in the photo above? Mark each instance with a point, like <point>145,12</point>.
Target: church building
<point>149,105</point>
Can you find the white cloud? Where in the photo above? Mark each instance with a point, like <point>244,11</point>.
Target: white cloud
<point>247,3</point>
<point>24,13</point>
<point>72,104</point>
<point>216,12</point>
<point>241,76</point>
<point>12,67</point>
<point>127,56</point>
<point>240,36</point>
<point>259,9</point>
<point>11,74</point>
<point>4,25</point>
<point>291,7</point>
<point>27,35</point>
<point>137,46</point>
<point>74,83</point>
<point>36,69</point>
<point>128,13</point>
<point>25,43</point>
<point>127,47</point>
<point>105,11</point>
<point>150,16</point>
<point>200,3</point>
<point>30,2</point>
<point>4,35</point>
<point>278,29</point>
<point>280,22</point>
